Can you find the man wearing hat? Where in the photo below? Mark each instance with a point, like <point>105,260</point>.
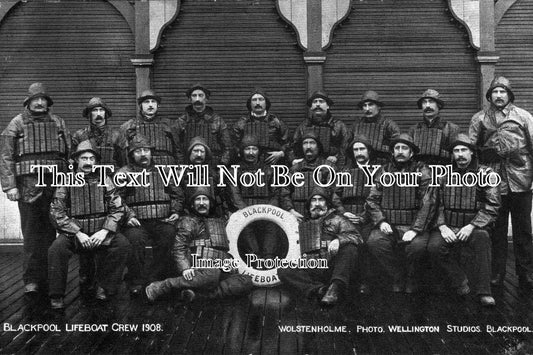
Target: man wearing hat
<point>201,237</point>
<point>199,119</point>
<point>504,134</point>
<point>162,131</point>
<point>324,235</point>
<point>87,219</point>
<point>153,211</point>
<point>401,214</point>
<point>103,138</point>
<point>332,132</point>
<point>375,126</point>
<point>272,133</point>
<point>34,137</point>
<point>465,217</point>
<point>433,135</point>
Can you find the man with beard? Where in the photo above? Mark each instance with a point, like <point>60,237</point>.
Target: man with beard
<point>465,216</point>
<point>504,134</point>
<point>261,237</point>
<point>324,235</point>
<point>293,198</point>
<point>199,119</point>
<point>87,219</point>
<point>104,139</point>
<point>433,134</point>
<point>153,210</point>
<point>201,237</point>
<point>271,132</point>
<point>34,137</point>
<point>401,214</point>
<point>161,131</point>
<point>379,129</point>
<point>332,132</point>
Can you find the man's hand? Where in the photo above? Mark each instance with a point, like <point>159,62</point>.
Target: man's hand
<point>447,234</point>
<point>98,238</point>
<point>332,159</point>
<point>84,240</point>
<point>465,232</point>
<point>13,194</point>
<point>355,219</point>
<point>172,218</point>
<point>408,236</point>
<point>297,214</point>
<point>333,247</point>
<point>133,222</point>
<point>296,161</point>
<point>385,228</point>
<point>188,274</point>
<point>274,157</point>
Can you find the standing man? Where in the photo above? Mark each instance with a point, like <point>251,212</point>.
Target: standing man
<point>504,133</point>
<point>199,119</point>
<point>87,218</point>
<point>465,217</point>
<point>272,133</point>
<point>433,135</point>
<point>324,235</point>
<point>34,137</point>
<point>401,214</point>
<point>201,236</point>
<point>375,126</point>
<point>332,132</point>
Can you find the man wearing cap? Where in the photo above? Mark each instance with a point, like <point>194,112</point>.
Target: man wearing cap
<point>87,219</point>
<point>260,238</point>
<point>162,132</point>
<point>401,214</point>
<point>293,198</point>
<point>375,126</point>
<point>324,235</point>
<point>34,137</point>
<point>332,132</point>
<point>153,211</point>
<point>465,217</point>
<point>433,135</point>
<point>504,134</point>
<point>199,119</point>
<point>201,237</point>
<point>272,133</point>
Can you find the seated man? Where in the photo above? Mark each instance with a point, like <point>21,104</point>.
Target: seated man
<point>324,235</point>
<point>201,237</point>
<point>87,218</point>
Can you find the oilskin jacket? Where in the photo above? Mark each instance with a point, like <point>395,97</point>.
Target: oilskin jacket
<point>100,137</point>
<point>237,199</point>
<point>335,226</point>
<point>277,130</point>
<point>507,136</point>
<point>390,128</point>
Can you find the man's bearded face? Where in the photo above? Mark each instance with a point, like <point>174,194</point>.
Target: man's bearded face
<point>198,100</point>
<point>318,206</point>
<point>319,108</point>
<point>142,156</point>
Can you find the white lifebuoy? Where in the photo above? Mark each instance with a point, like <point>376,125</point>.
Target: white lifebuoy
<point>240,219</point>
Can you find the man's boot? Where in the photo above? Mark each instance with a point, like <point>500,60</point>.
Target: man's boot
<point>157,289</point>
<point>332,295</point>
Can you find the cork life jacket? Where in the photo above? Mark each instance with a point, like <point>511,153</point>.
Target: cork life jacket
<point>213,242</point>
<point>150,202</point>
<point>354,197</point>
<point>87,205</point>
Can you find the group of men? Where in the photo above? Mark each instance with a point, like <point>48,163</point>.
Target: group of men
<point>398,230</point>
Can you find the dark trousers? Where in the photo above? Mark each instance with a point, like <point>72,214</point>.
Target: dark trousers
<point>480,246</point>
<point>221,284</point>
<point>38,234</point>
<point>364,260</point>
<point>519,205</point>
<point>162,235</point>
<point>307,281</point>
<point>261,238</point>
<point>398,259</point>
<point>110,262</point>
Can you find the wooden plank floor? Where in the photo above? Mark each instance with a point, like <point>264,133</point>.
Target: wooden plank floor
<point>253,324</point>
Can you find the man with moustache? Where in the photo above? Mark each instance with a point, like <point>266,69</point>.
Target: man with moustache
<point>153,211</point>
<point>375,126</point>
<point>464,219</point>
<point>401,214</point>
<point>202,235</point>
<point>87,219</point>
<point>34,137</point>
<point>162,132</point>
<point>332,132</point>
<point>199,119</point>
<point>504,134</point>
<point>271,132</point>
<point>324,235</point>
<point>433,135</point>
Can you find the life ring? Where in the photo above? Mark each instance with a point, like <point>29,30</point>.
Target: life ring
<point>240,219</point>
